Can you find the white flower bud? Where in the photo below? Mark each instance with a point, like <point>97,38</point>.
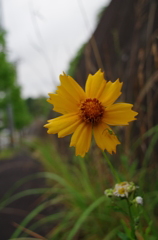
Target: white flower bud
<point>139,200</point>
<point>108,192</point>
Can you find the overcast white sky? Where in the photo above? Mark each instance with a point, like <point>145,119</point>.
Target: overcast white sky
<point>44,35</point>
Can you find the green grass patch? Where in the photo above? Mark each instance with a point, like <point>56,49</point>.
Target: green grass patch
<point>78,186</point>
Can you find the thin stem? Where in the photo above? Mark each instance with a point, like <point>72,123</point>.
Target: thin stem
<point>113,171</point>
<point>133,235</point>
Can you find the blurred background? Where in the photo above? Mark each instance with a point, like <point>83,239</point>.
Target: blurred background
<point>38,41</point>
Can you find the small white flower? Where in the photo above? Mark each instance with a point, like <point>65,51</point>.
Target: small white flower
<point>139,200</point>
<point>123,189</point>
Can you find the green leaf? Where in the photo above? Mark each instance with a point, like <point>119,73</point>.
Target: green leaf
<point>83,217</point>
<point>123,236</point>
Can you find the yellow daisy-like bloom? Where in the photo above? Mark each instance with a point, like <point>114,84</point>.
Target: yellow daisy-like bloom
<point>89,111</point>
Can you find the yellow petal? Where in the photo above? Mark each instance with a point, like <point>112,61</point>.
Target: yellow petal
<point>70,89</point>
<point>69,129</point>
<point>119,114</point>
<point>111,92</point>
<point>95,85</point>
<point>63,125</point>
<point>81,138</point>
<point>62,104</point>
<point>105,137</point>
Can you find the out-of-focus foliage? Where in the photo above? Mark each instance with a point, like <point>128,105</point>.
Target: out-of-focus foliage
<point>2,40</point>
<point>74,62</point>
<point>20,110</point>
<point>101,12</point>
<point>38,107</point>
<point>77,192</point>
<point>10,92</point>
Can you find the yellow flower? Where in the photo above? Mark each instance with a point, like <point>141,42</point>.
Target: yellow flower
<point>89,111</point>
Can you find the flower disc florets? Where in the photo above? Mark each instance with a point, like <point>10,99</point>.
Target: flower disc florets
<point>91,110</point>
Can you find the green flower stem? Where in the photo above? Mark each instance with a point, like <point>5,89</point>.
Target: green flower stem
<point>133,235</point>
<point>113,171</point>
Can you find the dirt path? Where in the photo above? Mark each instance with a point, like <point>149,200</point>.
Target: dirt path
<point>11,171</point>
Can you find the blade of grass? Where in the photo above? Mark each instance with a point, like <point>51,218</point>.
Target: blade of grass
<point>46,220</point>
<point>25,193</point>
<point>32,214</point>
<point>83,217</point>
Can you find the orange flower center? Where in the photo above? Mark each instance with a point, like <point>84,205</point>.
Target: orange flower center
<point>91,110</point>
